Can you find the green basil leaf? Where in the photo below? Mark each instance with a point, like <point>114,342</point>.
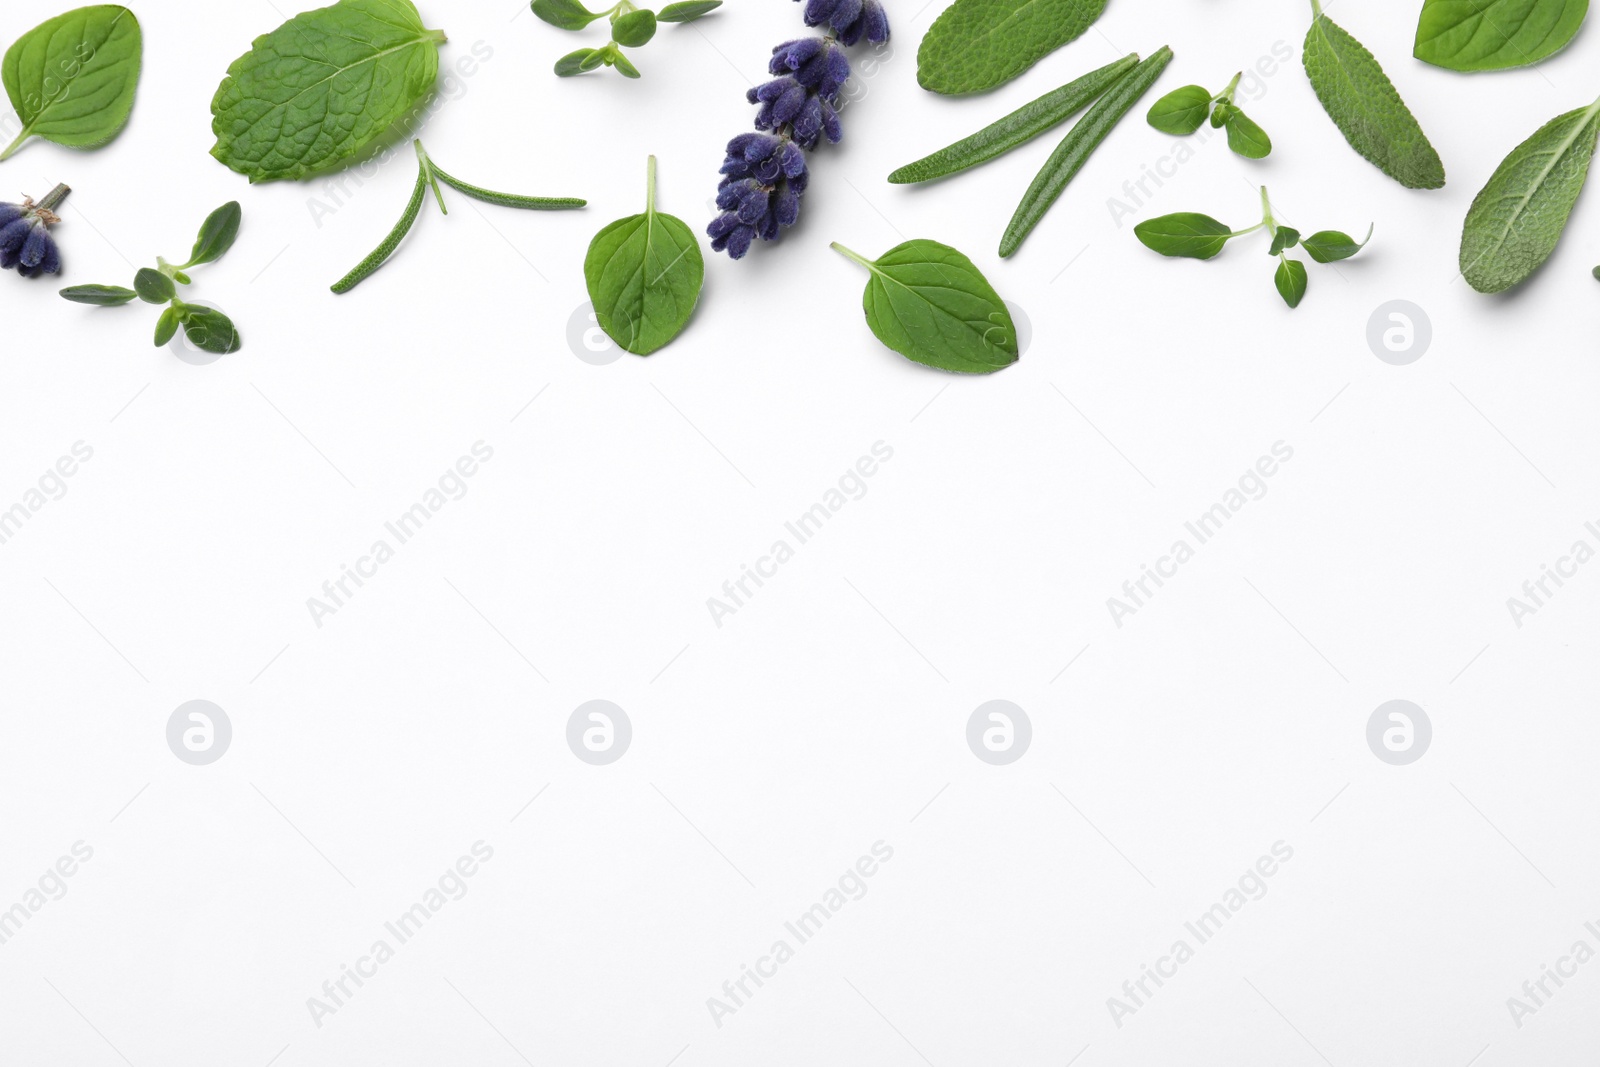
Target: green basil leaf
<point>167,326</point>
<point>927,301</point>
<point>1246,138</point>
<point>1185,234</point>
<point>1471,35</point>
<point>1285,237</point>
<point>1330,246</point>
<point>153,287</point>
<point>208,329</point>
<point>644,275</point>
<point>687,10</point>
<point>1516,220</point>
<point>620,61</point>
<point>571,64</point>
<point>323,86</point>
<point>1364,104</point>
<point>1181,111</point>
<point>976,45</point>
<point>1291,281</point>
<point>566,14</point>
<point>217,235</point>
<point>635,28</point>
<point>107,296</point>
<point>72,79</point>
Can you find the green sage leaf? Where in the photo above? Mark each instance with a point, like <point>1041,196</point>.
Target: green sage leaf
<point>208,329</point>
<point>687,10</point>
<point>1290,278</point>
<point>217,235</point>
<point>108,296</point>
<point>72,79</point>
<point>1364,104</point>
<point>976,45</point>
<point>927,301</point>
<point>566,14</point>
<point>1246,138</point>
<point>1181,111</point>
<point>153,287</point>
<point>322,87</point>
<point>1330,246</point>
<point>635,28</point>
<point>167,326</point>
<point>644,274</point>
<point>1471,35</point>
<point>1186,234</point>
<point>1517,218</point>
<point>1285,237</point>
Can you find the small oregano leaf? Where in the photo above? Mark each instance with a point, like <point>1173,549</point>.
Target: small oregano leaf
<point>167,326</point>
<point>565,14</point>
<point>571,64</point>
<point>1246,138</point>
<point>208,329</point>
<point>635,28</point>
<point>644,275</point>
<point>928,302</point>
<point>1290,278</point>
<point>153,287</point>
<point>217,235</point>
<point>1182,111</point>
<point>687,10</point>
<point>1186,234</point>
<point>1285,237</point>
<point>620,61</point>
<point>108,296</point>
<point>1330,246</point>
<point>72,79</point>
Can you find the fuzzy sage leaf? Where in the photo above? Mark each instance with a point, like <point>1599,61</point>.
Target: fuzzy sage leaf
<point>72,79</point>
<point>975,45</point>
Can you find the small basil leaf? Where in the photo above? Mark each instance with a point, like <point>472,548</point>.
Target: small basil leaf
<point>1286,237</point>
<point>1186,234</point>
<point>217,235</point>
<point>572,63</point>
<point>635,28</point>
<point>687,10</point>
<point>167,326</point>
<point>566,14</point>
<point>106,296</point>
<point>620,61</point>
<point>1246,138</point>
<point>72,78</point>
<point>209,329</point>
<point>1291,281</point>
<point>153,287</point>
<point>927,301</point>
<point>1220,117</point>
<point>1181,111</point>
<point>1330,246</point>
<point>644,274</point>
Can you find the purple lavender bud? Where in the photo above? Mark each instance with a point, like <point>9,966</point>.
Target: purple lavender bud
<point>844,13</point>
<point>767,171</point>
<point>831,125</point>
<point>817,11</point>
<point>720,227</point>
<point>877,20</point>
<point>792,160</point>
<point>838,71</point>
<point>767,227</point>
<point>737,146</point>
<point>729,195</point>
<point>789,104</point>
<point>767,92</point>
<point>786,205</point>
<point>753,204</point>
<point>799,182</point>
<point>10,213</point>
<point>761,146</point>
<point>764,118</point>
<point>12,237</point>
<point>808,125</point>
<point>850,34</point>
<point>39,253</point>
<point>790,54</point>
<point>738,242</point>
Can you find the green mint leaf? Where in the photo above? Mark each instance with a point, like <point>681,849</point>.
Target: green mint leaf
<point>565,14</point>
<point>620,61</point>
<point>1330,246</point>
<point>1517,218</point>
<point>927,301</point>
<point>1022,125</point>
<point>1471,35</point>
<point>644,274</point>
<point>635,28</point>
<point>217,235</point>
<point>153,287</point>
<point>1246,138</point>
<point>208,329</point>
<point>1219,117</point>
<point>1078,145</point>
<point>1285,237</point>
<point>323,86</point>
<point>1181,111</point>
<point>976,45</point>
<point>1364,104</point>
<point>72,79</point>
<point>107,296</point>
<point>571,64</point>
<point>687,10</point>
<point>1290,278</point>
<point>167,326</point>
<point>1186,234</point>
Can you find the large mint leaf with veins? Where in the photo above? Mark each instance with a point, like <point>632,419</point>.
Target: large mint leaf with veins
<point>320,88</point>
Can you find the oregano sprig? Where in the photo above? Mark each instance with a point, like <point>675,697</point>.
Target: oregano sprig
<point>631,26</point>
<point>206,328</point>
<point>429,175</point>
<point>1185,110</point>
<point>1190,235</point>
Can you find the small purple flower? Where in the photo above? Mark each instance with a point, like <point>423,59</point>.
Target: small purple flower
<point>25,241</point>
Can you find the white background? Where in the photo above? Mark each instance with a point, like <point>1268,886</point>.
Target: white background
<point>829,712</point>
